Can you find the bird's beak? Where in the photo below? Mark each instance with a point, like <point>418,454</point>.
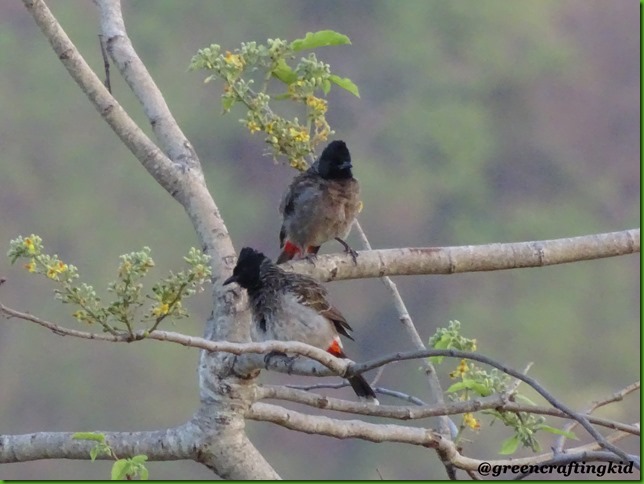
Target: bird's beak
<point>345,165</point>
<point>229,280</point>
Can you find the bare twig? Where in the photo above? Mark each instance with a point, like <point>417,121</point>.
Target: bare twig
<point>106,64</point>
<point>435,389</point>
<point>615,397</point>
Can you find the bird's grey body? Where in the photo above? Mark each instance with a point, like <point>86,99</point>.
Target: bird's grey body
<point>317,210</point>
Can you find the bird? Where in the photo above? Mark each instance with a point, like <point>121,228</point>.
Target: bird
<point>320,204</point>
<point>293,307</point>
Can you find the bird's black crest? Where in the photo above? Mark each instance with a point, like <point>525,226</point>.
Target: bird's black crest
<point>246,272</point>
<point>335,161</point>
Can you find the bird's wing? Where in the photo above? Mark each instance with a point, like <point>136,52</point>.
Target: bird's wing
<point>312,295</point>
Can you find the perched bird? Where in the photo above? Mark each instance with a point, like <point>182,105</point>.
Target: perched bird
<point>320,204</point>
<point>292,307</point>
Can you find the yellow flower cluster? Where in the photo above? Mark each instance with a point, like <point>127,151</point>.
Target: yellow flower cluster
<point>234,60</point>
<point>316,104</point>
<point>471,422</point>
<point>161,310</point>
<point>299,134</point>
<point>55,269</point>
<point>461,369</point>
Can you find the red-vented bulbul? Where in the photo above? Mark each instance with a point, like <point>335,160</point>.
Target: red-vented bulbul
<point>320,204</point>
<point>292,307</point>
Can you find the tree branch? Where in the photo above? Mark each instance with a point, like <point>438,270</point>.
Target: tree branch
<point>342,429</point>
<point>497,402</point>
<point>182,177</point>
<point>158,445</point>
<point>469,258</point>
<point>489,361</point>
<point>615,397</point>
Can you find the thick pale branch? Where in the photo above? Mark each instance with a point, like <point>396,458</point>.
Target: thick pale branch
<point>159,445</point>
<point>172,140</point>
<point>127,130</point>
<point>342,429</point>
<point>470,258</point>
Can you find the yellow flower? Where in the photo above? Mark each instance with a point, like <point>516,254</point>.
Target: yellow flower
<point>316,104</point>
<point>62,267</point>
<point>252,126</point>
<point>80,315</point>
<point>234,60</point>
<point>299,134</point>
<point>31,266</point>
<point>29,244</point>
<point>52,273</point>
<point>460,370</point>
<point>161,310</point>
<point>471,422</point>
<point>270,127</point>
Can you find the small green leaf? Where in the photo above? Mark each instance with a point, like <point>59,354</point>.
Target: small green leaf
<point>139,459</point>
<point>470,385</point>
<point>93,453</point>
<point>326,86</point>
<point>144,474</point>
<point>345,83</point>
<point>284,73</point>
<point>227,103</point>
<point>460,385</point>
<point>555,430</point>
<point>509,446</point>
<point>120,469</point>
<point>89,436</point>
<point>321,38</point>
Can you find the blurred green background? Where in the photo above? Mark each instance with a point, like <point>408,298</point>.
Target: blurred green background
<point>479,122</point>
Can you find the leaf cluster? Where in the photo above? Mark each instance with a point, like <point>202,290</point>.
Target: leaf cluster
<point>307,83</point>
<point>122,469</point>
<point>165,300</point>
<point>475,382</point>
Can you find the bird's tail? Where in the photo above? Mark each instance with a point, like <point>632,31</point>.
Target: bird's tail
<point>363,389</point>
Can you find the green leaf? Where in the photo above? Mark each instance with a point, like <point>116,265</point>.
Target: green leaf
<point>139,459</point>
<point>120,469</point>
<point>326,86</point>
<point>227,103</point>
<point>321,38</point>
<point>473,385</point>
<point>460,385</point>
<point>144,474</point>
<point>555,430</point>
<point>89,436</point>
<point>345,83</point>
<point>93,453</point>
<point>509,446</point>
<point>284,72</point>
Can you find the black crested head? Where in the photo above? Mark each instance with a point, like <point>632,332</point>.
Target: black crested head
<point>335,161</point>
<point>246,272</point>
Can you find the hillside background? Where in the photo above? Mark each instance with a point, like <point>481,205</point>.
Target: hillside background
<point>478,122</point>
